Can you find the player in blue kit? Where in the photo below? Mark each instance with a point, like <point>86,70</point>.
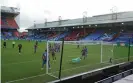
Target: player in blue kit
<point>44,60</point>
<point>83,53</point>
<point>86,51</point>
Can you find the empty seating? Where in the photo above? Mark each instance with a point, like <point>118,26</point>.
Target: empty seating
<point>94,35</point>
<point>16,33</point>
<point>11,22</point>
<point>3,21</point>
<point>75,34</point>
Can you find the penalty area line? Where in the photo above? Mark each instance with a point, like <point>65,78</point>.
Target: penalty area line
<point>21,62</point>
<point>26,78</point>
<point>50,74</point>
<point>58,71</point>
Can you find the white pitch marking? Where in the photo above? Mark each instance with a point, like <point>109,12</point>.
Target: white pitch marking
<point>21,62</point>
<point>26,78</point>
<point>46,74</point>
<point>55,72</point>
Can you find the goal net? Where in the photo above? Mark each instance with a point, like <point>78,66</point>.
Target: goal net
<point>77,56</point>
<point>107,52</point>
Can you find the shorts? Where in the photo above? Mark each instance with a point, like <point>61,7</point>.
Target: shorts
<point>83,54</point>
<point>44,61</point>
<point>19,49</point>
<point>53,54</point>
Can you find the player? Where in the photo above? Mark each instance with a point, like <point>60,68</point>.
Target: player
<point>19,48</point>
<point>58,49</point>
<point>44,60</point>
<point>13,44</point>
<point>77,45</point>
<point>86,51</point>
<point>50,47</point>
<point>110,60</point>
<point>36,42</point>
<point>53,54</point>
<point>83,53</point>
<point>35,48</point>
<point>4,44</point>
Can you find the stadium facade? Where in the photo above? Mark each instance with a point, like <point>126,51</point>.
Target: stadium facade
<point>108,27</point>
<point>9,26</point>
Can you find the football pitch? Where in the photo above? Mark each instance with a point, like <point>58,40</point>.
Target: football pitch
<point>26,67</point>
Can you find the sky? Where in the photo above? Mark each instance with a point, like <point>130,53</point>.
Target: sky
<point>38,10</point>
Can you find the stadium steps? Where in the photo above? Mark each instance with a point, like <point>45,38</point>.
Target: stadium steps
<point>4,22</point>
<point>94,35</point>
<point>115,36</point>
<point>11,22</point>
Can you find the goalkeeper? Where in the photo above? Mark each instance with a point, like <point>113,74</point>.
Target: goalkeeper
<point>76,60</point>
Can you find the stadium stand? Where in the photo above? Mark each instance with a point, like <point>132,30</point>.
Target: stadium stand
<point>11,22</point>
<point>16,33</point>
<point>73,33</point>
<point>8,24</point>
<point>3,22</point>
<point>94,35</point>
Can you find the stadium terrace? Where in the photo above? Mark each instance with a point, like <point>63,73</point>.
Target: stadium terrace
<point>107,27</point>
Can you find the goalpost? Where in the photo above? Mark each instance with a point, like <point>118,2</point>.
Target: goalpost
<point>98,51</point>
<point>107,52</point>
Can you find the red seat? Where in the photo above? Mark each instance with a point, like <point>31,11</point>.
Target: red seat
<point>16,33</point>
<point>11,22</point>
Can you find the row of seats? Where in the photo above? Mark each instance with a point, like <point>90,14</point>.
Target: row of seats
<point>16,33</point>
<point>3,21</point>
<point>9,22</point>
<point>82,34</point>
<point>9,35</point>
<point>94,35</point>
<point>124,36</point>
<point>106,36</point>
<point>78,34</point>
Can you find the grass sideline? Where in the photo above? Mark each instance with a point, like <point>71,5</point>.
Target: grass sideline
<point>26,68</point>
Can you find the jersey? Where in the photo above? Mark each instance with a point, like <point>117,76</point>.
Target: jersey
<point>83,51</point>
<point>13,42</point>
<point>44,57</point>
<point>20,46</point>
<point>35,46</point>
<point>36,42</point>
<point>86,50</point>
<point>4,43</point>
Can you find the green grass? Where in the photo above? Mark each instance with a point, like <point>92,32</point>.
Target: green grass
<point>27,66</point>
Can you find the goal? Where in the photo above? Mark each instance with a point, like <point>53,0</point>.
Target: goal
<point>77,56</point>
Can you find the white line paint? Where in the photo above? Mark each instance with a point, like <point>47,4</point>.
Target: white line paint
<point>118,59</point>
<point>46,74</point>
<point>26,78</point>
<point>21,62</point>
<point>53,75</point>
<point>58,71</point>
